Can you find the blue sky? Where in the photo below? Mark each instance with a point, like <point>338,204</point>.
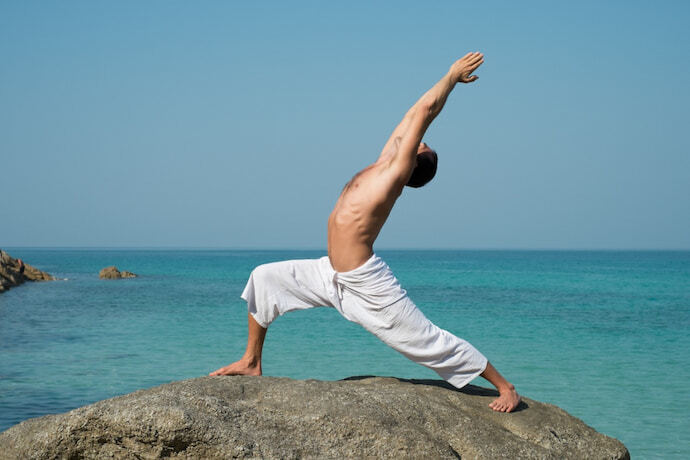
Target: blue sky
<point>236,124</point>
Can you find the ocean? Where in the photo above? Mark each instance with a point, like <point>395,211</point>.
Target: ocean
<point>605,335</point>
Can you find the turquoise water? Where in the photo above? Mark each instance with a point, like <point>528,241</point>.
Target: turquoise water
<point>604,335</point>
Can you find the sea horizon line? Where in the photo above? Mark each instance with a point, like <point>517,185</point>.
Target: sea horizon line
<point>323,249</point>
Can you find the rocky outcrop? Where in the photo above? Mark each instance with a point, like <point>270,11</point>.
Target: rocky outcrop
<point>231,417</point>
<point>112,273</point>
<point>14,272</point>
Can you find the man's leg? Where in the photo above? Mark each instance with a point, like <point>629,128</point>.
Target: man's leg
<point>508,398</point>
<point>404,327</point>
<point>250,363</point>
<point>273,290</point>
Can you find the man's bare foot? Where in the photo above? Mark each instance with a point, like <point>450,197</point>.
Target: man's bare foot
<point>241,367</point>
<point>507,401</point>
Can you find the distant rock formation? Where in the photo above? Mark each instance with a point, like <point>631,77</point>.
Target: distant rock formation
<point>112,273</point>
<point>14,272</point>
<point>360,417</point>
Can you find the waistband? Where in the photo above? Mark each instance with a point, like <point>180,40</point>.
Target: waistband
<point>365,266</point>
<point>372,281</point>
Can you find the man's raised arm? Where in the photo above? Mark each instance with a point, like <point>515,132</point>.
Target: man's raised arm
<point>408,134</point>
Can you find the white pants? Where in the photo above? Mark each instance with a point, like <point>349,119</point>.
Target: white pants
<point>370,296</point>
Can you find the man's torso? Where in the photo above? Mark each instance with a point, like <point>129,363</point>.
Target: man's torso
<point>358,215</point>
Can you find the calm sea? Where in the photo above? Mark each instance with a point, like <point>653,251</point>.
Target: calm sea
<point>605,335</point>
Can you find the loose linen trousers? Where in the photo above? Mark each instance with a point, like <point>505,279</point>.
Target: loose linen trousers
<point>370,296</point>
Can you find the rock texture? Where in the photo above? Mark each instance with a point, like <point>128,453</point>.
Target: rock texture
<point>112,273</point>
<point>11,274</point>
<point>231,417</point>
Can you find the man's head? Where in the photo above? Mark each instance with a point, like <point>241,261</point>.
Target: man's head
<point>427,160</point>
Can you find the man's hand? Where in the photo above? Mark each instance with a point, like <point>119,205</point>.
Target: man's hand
<point>461,70</point>
<point>404,141</point>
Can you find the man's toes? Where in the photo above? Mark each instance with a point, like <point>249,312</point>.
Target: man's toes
<point>500,405</point>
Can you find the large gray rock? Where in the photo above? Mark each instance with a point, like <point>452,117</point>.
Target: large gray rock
<point>112,273</point>
<point>12,275</point>
<point>229,417</point>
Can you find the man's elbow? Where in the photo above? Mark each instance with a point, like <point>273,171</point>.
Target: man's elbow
<point>426,109</point>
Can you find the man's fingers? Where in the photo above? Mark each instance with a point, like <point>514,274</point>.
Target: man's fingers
<point>471,56</point>
<point>478,57</point>
<point>476,64</point>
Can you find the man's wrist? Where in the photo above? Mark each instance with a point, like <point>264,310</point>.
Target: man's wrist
<point>452,76</point>
<point>451,79</point>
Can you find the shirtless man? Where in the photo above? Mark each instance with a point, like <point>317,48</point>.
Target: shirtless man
<point>354,280</point>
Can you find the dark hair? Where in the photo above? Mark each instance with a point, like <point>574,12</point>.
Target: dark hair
<point>425,169</point>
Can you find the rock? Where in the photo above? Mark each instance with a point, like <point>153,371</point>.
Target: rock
<point>112,273</point>
<point>242,416</point>
<point>12,275</point>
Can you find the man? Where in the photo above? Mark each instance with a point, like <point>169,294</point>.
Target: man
<point>356,282</point>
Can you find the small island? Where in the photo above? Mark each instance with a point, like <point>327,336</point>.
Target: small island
<point>112,273</point>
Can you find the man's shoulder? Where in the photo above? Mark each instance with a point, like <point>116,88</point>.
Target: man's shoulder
<point>373,186</point>
<point>380,175</point>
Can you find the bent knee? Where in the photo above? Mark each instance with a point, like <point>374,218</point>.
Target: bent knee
<point>264,272</point>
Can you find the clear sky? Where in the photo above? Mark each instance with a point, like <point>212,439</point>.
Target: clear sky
<point>236,124</point>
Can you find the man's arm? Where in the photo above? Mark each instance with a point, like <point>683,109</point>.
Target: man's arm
<point>403,143</point>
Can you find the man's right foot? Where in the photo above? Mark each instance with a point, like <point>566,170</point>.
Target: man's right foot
<point>507,400</point>
<point>241,367</point>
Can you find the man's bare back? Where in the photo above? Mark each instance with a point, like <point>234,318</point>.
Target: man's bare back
<point>359,214</point>
<point>366,202</point>
<point>363,207</point>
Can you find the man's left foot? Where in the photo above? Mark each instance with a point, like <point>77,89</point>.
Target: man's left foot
<point>241,367</point>
<point>507,401</point>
